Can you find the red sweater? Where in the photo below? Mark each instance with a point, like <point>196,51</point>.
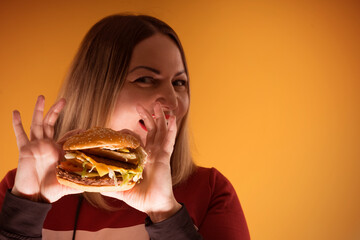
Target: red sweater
<point>209,197</point>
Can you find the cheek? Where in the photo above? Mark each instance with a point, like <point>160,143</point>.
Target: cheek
<point>123,116</point>
<point>183,107</point>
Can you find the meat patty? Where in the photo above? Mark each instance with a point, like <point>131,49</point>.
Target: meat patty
<point>93,181</point>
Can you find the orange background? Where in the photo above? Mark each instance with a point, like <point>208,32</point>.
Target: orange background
<point>275,97</point>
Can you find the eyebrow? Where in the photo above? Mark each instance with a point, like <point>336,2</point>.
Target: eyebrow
<point>153,70</point>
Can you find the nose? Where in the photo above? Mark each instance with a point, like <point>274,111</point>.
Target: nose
<point>167,97</point>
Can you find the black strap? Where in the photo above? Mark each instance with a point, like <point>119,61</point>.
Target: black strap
<point>77,214</point>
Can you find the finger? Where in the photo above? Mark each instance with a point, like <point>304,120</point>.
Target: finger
<point>160,123</point>
<point>171,135</point>
<point>129,132</point>
<point>21,137</point>
<point>51,117</point>
<point>47,150</point>
<point>36,129</point>
<point>149,123</point>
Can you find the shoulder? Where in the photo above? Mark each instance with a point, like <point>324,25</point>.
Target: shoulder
<point>212,203</point>
<point>224,217</point>
<point>205,188</point>
<point>210,177</point>
<point>219,186</point>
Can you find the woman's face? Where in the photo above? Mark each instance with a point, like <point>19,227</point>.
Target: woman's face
<point>156,74</point>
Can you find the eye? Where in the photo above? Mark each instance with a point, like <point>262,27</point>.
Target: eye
<point>145,81</point>
<point>179,83</point>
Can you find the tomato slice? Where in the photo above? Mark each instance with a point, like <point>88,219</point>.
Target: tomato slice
<point>71,166</point>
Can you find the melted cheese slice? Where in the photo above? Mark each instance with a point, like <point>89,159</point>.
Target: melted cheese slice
<point>102,168</point>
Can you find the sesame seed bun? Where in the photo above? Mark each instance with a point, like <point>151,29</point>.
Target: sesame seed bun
<point>100,137</point>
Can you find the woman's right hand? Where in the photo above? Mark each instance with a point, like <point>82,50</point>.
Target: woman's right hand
<point>38,156</point>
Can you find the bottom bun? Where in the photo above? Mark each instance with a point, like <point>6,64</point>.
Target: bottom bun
<point>89,188</point>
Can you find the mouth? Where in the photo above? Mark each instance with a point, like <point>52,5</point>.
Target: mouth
<point>142,123</point>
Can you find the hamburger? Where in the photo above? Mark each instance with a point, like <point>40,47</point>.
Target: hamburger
<point>101,159</point>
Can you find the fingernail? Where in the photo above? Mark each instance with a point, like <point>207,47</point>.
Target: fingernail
<point>172,122</point>
<point>140,110</point>
<point>62,100</point>
<point>158,105</point>
<point>16,116</point>
<point>15,113</point>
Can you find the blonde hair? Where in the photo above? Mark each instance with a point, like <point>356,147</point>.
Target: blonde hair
<point>97,74</point>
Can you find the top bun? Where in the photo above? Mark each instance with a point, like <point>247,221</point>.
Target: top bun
<point>101,137</point>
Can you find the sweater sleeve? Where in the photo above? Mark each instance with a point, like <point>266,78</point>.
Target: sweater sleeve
<point>224,218</point>
<point>21,218</point>
<point>177,227</point>
<point>5,184</point>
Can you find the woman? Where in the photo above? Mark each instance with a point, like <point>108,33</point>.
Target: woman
<point>129,73</point>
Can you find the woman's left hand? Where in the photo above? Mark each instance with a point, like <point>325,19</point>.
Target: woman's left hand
<point>154,194</point>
